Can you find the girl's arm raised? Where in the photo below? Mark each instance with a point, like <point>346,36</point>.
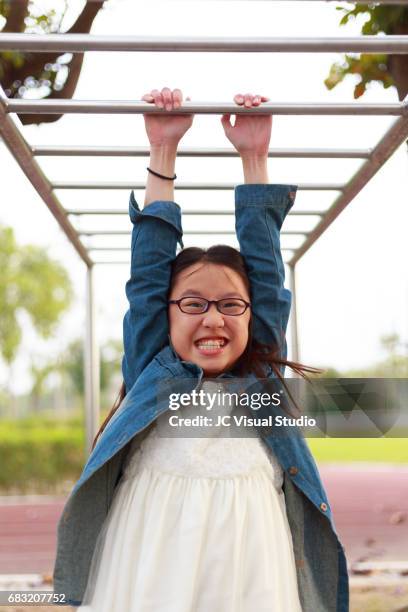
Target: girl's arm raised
<point>156,231</point>
<point>164,133</point>
<point>163,161</point>
<point>260,211</point>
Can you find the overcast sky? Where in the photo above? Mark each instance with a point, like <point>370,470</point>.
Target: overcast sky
<point>352,284</point>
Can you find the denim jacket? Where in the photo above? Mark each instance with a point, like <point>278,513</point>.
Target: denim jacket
<point>149,358</point>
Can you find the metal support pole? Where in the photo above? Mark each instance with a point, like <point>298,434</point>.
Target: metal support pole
<point>78,43</point>
<point>293,316</point>
<point>91,364</point>
<point>138,107</point>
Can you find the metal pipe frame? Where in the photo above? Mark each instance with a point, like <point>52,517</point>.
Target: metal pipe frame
<point>137,107</point>
<point>183,186</point>
<point>395,2</point>
<point>89,151</point>
<point>126,249</point>
<point>91,364</point>
<point>25,155</point>
<point>112,211</point>
<point>128,233</point>
<point>293,316</point>
<point>392,139</point>
<point>78,43</point>
<point>122,262</point>
<point>21,152</point>
<point>108,262</point>
<point>186,233</point>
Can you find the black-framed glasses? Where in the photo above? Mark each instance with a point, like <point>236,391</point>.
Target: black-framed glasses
<point>197,305</point>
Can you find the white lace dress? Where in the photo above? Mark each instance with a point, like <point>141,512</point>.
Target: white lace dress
<point>196,525</point>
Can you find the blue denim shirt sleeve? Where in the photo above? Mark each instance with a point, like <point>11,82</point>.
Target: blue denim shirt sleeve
<point>156,231</point>
<point>259,213</point>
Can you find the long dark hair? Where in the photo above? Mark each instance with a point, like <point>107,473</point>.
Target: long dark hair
<point>257,357</point>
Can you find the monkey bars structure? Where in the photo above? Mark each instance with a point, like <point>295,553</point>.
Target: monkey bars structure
<point>26,154</point>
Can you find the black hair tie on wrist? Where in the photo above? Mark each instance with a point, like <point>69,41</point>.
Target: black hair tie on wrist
<point>168,178</point>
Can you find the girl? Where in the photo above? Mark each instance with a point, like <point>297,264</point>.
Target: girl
<point>159,522</point>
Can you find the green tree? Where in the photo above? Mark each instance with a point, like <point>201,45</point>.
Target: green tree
<point>328,372</point>
<point>390,343</point>
<point>390,70</point>
<point>40,375</point>
<point>51,75</point>
<point>30,281</point>
<point>395,365</point>
<point>67,371</point>
<point>72,362</point>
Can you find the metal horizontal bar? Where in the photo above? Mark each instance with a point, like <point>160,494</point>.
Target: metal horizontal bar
<point>77,43</point>
<point>123,262</point>
<point>128,232</point>
<point>395,2</point>
<point>128,249</point>
<point>108,262</point>
<point>21,152</point>
<point>89,151</point>
<point>108,248</point>
<point>372,2</point>
<point>391,140</point>
<point>184,186</point>
<point>113,211</point>
<point>187,233</point>
<point>51,107</point>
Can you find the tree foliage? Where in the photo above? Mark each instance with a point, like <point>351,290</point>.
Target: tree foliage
<point>390,70</point>
<point>30,281</point>
<point>395,364</point>
<point>110,358</point>
<point>42,75</point>
<point>69,366</point>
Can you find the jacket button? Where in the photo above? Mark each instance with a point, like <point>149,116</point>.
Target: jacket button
<point>323,507</point>
<point>293,470</point>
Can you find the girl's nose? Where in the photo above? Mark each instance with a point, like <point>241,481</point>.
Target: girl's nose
<point>213,317</point>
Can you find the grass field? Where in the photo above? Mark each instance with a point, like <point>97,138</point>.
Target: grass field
<point>343,450</point>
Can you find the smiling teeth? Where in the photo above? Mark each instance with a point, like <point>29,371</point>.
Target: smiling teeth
<point>211,344</point>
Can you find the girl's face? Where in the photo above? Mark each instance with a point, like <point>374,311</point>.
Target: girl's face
<point>190,333</point>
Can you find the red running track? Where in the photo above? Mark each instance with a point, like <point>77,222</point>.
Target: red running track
<point>369,503</point>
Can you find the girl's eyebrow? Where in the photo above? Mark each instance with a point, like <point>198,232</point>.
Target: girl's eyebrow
<point>195,292</point>
<point>191,292</point>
